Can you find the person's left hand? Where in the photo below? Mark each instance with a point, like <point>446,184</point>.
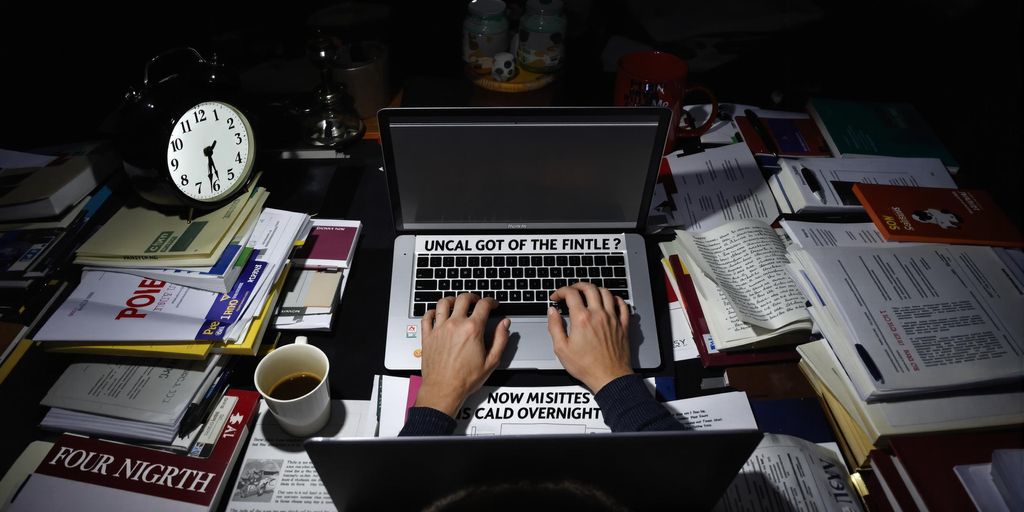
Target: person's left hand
<point>455,361</point>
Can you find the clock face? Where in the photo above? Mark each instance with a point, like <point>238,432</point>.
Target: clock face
<point>209,154</point>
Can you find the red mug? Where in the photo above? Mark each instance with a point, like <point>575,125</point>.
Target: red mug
<point>653,78</point>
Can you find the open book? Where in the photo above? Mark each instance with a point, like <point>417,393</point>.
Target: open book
<point>738,271</point>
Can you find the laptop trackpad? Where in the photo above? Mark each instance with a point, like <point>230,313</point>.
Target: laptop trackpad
<point>529,344</point>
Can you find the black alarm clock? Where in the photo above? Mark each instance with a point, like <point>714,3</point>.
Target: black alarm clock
<point>185,138</point>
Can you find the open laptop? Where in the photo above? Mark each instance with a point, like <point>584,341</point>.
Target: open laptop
<point>513,203</point>
<point>681,470</point>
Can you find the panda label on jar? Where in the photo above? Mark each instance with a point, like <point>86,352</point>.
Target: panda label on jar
<point>484,34</point>
<point>541,37</point>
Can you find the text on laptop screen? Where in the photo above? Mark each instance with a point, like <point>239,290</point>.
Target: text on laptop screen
<point>523,172</point>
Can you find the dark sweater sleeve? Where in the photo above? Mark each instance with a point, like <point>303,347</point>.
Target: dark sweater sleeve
<point>425,421</point>
<point>628,406</point>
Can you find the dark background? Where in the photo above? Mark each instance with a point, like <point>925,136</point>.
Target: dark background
<point>67,67</point>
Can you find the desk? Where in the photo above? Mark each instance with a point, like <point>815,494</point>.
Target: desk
<point>353,188</point>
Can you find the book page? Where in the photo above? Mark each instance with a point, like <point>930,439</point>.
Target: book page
<point>833,234</point>
<point>925,317</point>
<point>716,186</point>
<point>788,473</point>
<point>747,260</point>
<point>277,475</point>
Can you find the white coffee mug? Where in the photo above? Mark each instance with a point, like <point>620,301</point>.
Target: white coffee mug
<point>301,415</point>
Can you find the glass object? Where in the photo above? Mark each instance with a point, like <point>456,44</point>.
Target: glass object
<point>541,38</point>
<point>484,34</point>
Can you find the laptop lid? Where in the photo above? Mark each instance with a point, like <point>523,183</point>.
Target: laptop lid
<point>522,169</point>
<point>682,470</point>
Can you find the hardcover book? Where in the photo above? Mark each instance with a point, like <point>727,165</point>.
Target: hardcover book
<point>941,215</point>
<point>330,244</point>
<point>88,474</point>
<point>877,128</point>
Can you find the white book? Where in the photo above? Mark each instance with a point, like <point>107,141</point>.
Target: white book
<point>824,185</point>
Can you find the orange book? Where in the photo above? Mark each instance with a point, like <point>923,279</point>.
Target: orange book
<point>939,215</point>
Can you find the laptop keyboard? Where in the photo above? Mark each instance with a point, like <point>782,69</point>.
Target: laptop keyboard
<point>521,283</point>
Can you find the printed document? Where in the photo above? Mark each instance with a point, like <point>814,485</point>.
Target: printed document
<point>920,318</point>
<point>716,186</point>
<point>277,475</point>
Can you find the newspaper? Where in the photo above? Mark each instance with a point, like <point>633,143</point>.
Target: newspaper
<point>787,473</point>
<point>277,475</point>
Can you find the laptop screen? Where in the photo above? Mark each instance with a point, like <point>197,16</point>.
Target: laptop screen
<point>522,169</point>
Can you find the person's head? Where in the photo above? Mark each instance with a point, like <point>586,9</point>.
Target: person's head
<point>533,496</point>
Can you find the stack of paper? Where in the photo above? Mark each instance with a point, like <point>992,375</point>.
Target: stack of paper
<point>144,400</point>
<point>113,312</point>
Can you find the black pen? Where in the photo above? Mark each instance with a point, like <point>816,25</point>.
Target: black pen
<point>869,363</point>
<point>762,131</point>
<point>196,412</point>
<point>813,183</point>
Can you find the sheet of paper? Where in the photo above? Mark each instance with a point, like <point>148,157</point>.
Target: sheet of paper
<point>833,234</point>
<point>786,473</point>
<point>722,411</point>
<point>683,347</point>
<point>719,185</point>
<point>977,481</point>
<point>277,475</point>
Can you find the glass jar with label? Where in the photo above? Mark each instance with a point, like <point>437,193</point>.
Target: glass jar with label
<point>540,45</point>
<point>484,34</point>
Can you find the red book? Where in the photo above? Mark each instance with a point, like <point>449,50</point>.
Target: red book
<point>895,491</point>
<point>83,473</point>
<point>329,245</point>
<point>940,215</point>
<point>929,459</point>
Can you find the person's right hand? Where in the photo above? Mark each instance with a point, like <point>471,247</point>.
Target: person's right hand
<point>596,352</point>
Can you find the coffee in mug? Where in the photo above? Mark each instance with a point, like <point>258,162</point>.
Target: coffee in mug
<point>293,381</point>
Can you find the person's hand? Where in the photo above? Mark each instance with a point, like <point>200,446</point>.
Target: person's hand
<point>455,361</point>
<point>597,350</point>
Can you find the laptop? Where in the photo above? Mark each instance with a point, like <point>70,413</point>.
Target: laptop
<point>514,203</point>
<point>680,470</point>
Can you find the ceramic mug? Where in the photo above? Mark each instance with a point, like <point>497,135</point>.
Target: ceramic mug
<point>658,79</point>
<point>301,411</point>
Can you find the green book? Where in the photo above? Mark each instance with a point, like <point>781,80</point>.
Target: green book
<point>865,128</point>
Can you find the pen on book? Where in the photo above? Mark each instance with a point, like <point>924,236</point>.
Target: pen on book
<point>813,184</point>
<point>762,131</point>
<point>196,410</point>
<point>869,363</point>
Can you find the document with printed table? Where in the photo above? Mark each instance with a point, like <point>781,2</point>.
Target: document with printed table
<point>89,474</point>
<point>909,320</point>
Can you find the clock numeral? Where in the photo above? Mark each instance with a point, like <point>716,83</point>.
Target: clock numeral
<point>231,175</point>
<point>238,157</point>
<point>231,123</point>
<point>174,164</point>
<point>216,186</point>
<point>238,138</point>
<point>184,180</point>
<point>186,126</point>
<point>177,144</point>
<point>215,116</point>
<point>200,115</point>
<point>199,187</point>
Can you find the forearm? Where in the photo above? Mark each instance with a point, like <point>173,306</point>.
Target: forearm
<point>627,406</point>
<point>425,421</point>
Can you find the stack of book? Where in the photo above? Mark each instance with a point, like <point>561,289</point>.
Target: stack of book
<point>49,204</point>
<point>322,262</point>
<point>160,401</point>
<point>158,285</point>
<point>917,338</point>
<point>737,292</point>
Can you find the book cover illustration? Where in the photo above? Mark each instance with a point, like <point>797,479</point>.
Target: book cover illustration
<point>940,215</point>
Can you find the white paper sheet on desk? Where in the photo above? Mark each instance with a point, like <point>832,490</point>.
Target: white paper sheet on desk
<point>719,185</point>
<point>683,347</point>
<point>290,482</point>
<point>722,411</point>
